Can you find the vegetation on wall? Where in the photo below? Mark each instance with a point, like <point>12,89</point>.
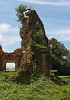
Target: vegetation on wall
<point>19,11</point>
<point>37,41</point>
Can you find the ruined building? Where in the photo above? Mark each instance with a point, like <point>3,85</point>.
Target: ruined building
<point>34,46</point>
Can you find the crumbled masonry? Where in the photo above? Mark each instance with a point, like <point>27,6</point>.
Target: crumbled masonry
<point>25,57</point>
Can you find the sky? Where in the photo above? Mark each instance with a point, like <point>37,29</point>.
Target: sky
<point>9,66</point>
<point>55,15</point>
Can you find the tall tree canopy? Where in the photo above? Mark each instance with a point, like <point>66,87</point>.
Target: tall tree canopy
<point>60,56</point>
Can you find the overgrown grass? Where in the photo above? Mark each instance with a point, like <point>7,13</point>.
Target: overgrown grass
<point>42,89</point>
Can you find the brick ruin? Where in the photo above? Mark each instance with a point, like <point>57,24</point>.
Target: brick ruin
<point>14,57</point>
<point>25,56</point>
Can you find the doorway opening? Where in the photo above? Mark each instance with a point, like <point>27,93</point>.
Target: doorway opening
<point>10,66</point>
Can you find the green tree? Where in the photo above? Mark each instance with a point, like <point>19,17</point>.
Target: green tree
<point>19,12</point>
<point>60,56</point>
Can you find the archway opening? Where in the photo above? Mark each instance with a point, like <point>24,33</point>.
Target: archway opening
<point>10,66</point>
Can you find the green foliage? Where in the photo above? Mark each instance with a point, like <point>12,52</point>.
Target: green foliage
<point>36,47</point>
<point>37,41</point>
<point>35,73</point>
<point>19,12</point>
<point>42,89</point>
<point>59,55</point>
<point>37,37</point>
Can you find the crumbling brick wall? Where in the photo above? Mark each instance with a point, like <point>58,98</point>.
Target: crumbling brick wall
<point>30,26</point>
<point>26,56</point>
<point>14,57</point>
